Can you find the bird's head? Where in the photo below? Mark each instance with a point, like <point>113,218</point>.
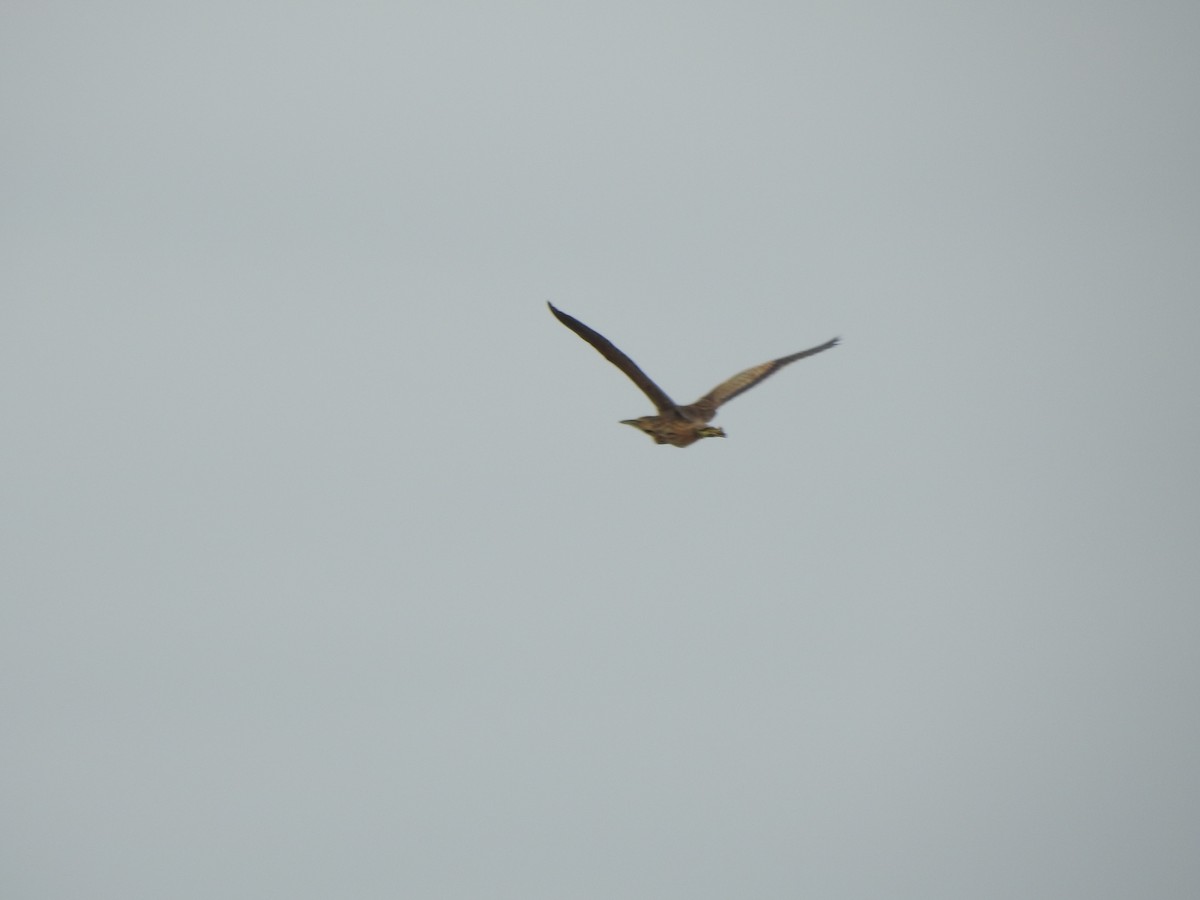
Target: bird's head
<point>711,431</point>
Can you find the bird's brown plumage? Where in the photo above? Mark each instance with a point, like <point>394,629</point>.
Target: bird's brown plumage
<point>674,424</point>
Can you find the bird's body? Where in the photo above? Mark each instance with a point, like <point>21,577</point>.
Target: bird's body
<point>677,425</point>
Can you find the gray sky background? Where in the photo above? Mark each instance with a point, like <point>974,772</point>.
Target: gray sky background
<point>328,571</point>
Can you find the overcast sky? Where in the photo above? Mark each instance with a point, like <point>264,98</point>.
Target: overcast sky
<point>328,571</point>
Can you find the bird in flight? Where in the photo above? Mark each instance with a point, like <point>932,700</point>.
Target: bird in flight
<point>677,425</point>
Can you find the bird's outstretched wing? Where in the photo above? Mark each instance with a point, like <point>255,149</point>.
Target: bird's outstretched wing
<point>656,394</point>
<point>706,406</point>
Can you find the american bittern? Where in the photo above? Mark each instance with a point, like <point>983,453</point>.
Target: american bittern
<point>674,424</point>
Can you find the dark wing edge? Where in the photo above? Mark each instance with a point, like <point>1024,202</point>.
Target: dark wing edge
<point>707,405</point>
<point>610,352</point>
